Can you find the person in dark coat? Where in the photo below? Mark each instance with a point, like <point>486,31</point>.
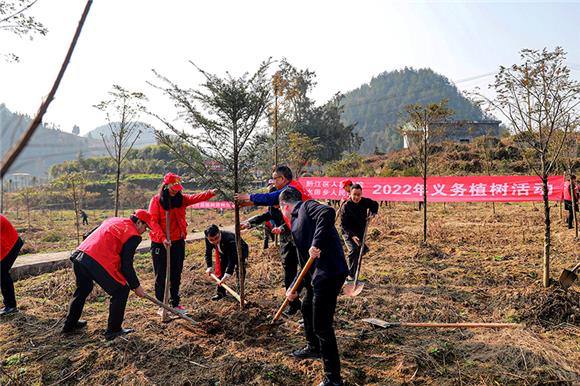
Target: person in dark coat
<point>570,203</point>
<point>353,219</point>
<point>283,179</point>
<point>106,257</point>
<point>222,245</point>
<point>314,233</point>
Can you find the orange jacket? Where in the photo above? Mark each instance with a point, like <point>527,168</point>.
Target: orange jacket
<point>8,237</point>
<point>105,244</point>
<point>177,221</point>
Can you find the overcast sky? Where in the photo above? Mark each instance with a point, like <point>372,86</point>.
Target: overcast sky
<point>345,42</point>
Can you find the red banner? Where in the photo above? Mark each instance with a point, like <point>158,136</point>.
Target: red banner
<point>439,189</point>
<point>213,205</point>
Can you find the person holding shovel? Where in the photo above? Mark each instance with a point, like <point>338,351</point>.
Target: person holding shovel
<point>222,245</point>
<point>315,236</point>
<point>106,257</point>
<point>353,219</point>
<point>571,203</point>
<point>10,245</point>
<point>283,179</point>
<point>171,199</point>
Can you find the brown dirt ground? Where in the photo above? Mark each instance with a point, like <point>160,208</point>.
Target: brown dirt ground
<point>479,267</point>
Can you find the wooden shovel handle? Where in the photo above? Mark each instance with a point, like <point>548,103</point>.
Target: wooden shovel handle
<point>227,288</point>
<point>459,325</point>
<point>575,268</point>
<point>170,309</point>
<point>295,287</point>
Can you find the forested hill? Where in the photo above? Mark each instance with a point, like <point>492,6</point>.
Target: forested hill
<point>379,106</point>
<point>48,146</point>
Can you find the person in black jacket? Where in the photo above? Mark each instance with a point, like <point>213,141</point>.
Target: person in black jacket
<point>226,256</point>
<point>353,219</point>
<point>288,251</point>
<point>315,235</point>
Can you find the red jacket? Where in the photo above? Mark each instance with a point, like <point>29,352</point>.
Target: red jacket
<point>177,221</point>
<point>104,245</point>
<point>8,237</point>
<point>566,192</point>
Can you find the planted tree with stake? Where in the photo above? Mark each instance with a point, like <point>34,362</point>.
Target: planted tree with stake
<point>122,111</point>
<point>540,101</point>
<point>421,134</point>
<point>224,115</point>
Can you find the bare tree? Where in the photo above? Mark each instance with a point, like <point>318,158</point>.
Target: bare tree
<point>422,134</point>
<point>540,100</point>
<point>122,112</point>
<point>487,147</point>
<point>226,112</point>
<point>14,18</point>
<point>73,188</point>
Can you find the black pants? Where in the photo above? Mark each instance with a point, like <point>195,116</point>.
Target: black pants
<point>159,254</point>
<point>570,218</point>
<point>353,254</point>
<point>84,282</point>
<point>218,288</point>
<point>318,311</point>
<point>289,256</point>
<point>5,279</point>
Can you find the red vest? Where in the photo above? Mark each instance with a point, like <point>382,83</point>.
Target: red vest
<point>567,192</point>
<point>8,237</point>
<point>104,245</point>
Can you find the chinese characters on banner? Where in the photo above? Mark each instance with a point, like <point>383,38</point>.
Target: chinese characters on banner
<point>439,189</point>
<point>213,205</point>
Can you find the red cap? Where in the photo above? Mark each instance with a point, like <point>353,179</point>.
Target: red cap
<point>173,180</point>
<point>144,216</point>
<point>344,183</point>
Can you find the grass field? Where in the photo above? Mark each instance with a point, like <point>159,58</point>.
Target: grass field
<point>477,267</point>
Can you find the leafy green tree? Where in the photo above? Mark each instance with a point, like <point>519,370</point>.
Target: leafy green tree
<point>226,112</point>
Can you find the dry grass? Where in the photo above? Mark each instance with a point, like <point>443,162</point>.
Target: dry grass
<point>477,267</point>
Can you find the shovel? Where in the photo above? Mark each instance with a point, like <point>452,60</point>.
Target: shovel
<point>354,288</point>
<point>170,309</point>
<point>228,288</point>
<point>567,277</point>
<point>294,288</point>
<point>384,324</point>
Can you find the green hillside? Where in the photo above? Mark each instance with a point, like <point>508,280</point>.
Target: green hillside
<point>378,107</point>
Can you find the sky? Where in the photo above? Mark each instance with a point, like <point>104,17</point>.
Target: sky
<point>345,42</point>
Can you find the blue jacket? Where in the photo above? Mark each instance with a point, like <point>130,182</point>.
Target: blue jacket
<point>313,226</point>
<point>271,199</point>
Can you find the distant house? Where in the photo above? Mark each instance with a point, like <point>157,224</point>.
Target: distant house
<point>454,131</point>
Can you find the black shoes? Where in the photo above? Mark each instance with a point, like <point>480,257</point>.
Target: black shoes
<point>306,353</point>
<point>328,382</point>
<point>293,308</point>
<point>110,335</point>
<point>218,296</point>
<point>67,328</point>
<point>8,310</point>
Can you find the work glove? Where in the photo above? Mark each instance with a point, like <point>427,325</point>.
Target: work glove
<point>225,278</point>
<point>209,271</point>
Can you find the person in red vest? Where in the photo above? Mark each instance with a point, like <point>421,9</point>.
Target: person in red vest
<point>223,245</point>
<point>569,187</point>
<point>106,257</point>
<point>10,245</point>
<point>171,198</point>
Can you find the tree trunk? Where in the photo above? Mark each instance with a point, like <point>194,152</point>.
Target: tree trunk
<point>425,184</point>
<point>547,238</point>
<point>117,181</point>
<point>241,260</point>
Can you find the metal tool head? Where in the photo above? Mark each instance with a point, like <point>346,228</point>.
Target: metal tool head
<point>381,323</point>
<point>352,289</point>
<point>567,278</point>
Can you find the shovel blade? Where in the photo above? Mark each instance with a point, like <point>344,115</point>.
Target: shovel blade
<point>352,290</point>
<point>567,278</point>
